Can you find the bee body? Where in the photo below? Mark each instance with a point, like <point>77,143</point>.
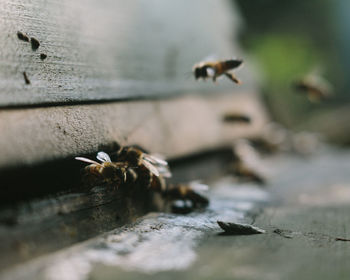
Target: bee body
<point>315,87</point>
<point>215,69</point>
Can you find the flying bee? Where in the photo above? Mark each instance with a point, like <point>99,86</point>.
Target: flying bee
<point>315,87</point>
<point>215,69</point>
<point>114,173</point>
<point>236,118</point>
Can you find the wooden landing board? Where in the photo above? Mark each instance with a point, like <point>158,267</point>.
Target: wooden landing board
<point>303,210</point>
<point>111,49</point>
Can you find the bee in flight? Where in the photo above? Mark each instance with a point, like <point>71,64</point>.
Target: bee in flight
<point>215,69</point>
<point>315,87</point>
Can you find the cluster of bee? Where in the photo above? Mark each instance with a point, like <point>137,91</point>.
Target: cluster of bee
<point>133,166</point>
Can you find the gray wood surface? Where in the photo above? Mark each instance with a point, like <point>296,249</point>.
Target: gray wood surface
<point>111,49</point>
<point>307,201</point>
<point>174,127</point>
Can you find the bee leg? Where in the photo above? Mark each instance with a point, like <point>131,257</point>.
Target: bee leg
<point>233,78</point>
<point>158,184</point>
<point>144,176</point>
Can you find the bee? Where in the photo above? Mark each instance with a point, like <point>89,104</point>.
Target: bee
<point>188,194</point>
<point>245,173</point>
<point>105,171</point>
<point>239,118</point>
<point>245,162</point>
<point>217,68</point>
<point>147,165</point>
<point>315,87</point>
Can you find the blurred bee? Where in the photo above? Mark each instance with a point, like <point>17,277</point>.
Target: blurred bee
<point>186,196</point>
<point>236,118</point>
<point>315,87</point>
<point>217,68</point>
<point>246,173</point>
<point>245,162</point>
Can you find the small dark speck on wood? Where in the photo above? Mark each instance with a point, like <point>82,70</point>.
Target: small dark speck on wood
<point>342,239</point>
<point>236,118</point>
<point>27,81</point>
<point>239,229</point>
<point>284,233</point>
<point>43,56</point>
<point>22,36</point>
<point>35,43</point>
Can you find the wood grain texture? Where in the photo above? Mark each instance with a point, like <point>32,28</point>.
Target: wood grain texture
<point>174,127</point>
<point>111,49</point>
<point>308,202</point>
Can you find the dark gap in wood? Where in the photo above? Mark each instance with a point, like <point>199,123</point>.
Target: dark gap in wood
<point>63,175</point>
<point>68,102</point>
<point>42,211</point>
<point>83,102</point>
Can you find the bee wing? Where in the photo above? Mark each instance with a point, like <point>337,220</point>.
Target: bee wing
<point>208,58</point>
<point>154,159</point>
<point>198,186</point>
<point>104,157</point>
<point>151,168</point>
<point>164,171</point>
<point>234,63</point>
<point>87,160</point>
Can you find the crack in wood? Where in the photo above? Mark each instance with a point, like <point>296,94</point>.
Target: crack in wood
<point>289,234</point>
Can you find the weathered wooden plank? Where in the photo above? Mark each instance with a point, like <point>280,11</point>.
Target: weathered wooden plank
<point>40,226</point>
<point>174,127</point>
<point>308,203</point>
<point>109,50</point>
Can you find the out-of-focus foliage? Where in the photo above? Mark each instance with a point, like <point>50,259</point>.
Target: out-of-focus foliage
<point>282,60</point>
<point>290,39</point>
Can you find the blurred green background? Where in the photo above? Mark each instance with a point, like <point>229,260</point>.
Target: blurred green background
<point>289,39</point>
